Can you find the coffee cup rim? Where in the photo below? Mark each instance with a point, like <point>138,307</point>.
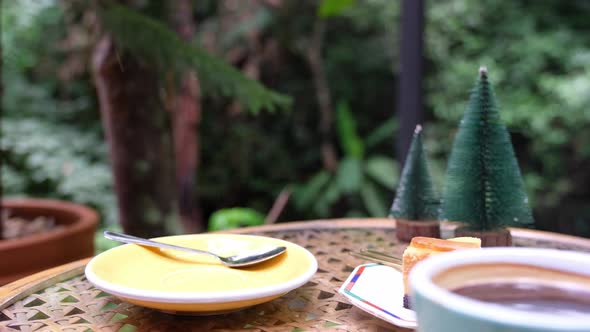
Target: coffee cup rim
<point>422,274</point>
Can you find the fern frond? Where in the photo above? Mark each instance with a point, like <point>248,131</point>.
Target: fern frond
<point>149,39</point>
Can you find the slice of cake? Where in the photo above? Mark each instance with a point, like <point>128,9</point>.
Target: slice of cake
<point>421,248</point>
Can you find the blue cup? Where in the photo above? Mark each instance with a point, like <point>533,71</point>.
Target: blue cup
<point>436,285</point>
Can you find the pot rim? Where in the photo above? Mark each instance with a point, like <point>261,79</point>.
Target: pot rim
<point>87,218</point>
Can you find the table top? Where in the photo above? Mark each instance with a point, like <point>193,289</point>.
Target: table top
<point>61,299</point>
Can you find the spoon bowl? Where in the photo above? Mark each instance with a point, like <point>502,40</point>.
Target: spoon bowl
<point>238,260</point>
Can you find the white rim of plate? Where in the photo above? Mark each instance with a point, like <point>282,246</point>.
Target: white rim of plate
<point>203,297</point>
<point>394,319</point>
<point>421,279</point>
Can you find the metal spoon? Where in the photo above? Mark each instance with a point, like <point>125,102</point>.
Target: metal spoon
<point>379,257</point>
<point>239,260</point>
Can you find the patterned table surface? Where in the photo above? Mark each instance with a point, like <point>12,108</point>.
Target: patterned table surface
<point>63,300</point>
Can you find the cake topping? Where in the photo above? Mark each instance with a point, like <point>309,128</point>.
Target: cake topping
<point>445,245</point>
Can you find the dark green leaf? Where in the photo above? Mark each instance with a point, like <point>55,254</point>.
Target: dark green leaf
<point>383,170</point>
<point>234,218</point>
<point>384,132</point>
<point>330,8</point>
<point>310,191</point>
<point>350,175</point>
<point>351,143</point>
<point>327,198</point>
<point>373,201</point>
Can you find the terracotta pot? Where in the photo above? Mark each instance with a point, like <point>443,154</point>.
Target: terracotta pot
<point>23,256</point>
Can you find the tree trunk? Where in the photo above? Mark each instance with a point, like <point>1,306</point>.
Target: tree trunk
<point>185,108</point>
<point>140,146</point>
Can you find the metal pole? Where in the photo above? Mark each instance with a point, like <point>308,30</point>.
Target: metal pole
<point>410,103</point>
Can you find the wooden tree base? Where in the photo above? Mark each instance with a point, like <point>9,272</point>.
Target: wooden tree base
<point>496,238</point>
<point>407,229</point>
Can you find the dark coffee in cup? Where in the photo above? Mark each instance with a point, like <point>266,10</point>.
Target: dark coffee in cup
<point>521,287</point>
<point>531,297</point>
<point>503,289</point>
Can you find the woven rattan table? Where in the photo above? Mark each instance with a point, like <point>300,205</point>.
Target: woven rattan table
<point>61,299</point>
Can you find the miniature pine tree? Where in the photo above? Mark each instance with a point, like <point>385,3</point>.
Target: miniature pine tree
<point>483,185</point>
<point>415,198</point>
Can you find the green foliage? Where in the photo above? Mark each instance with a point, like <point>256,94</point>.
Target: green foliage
<point>352,144</point>
<point>254,158</point>
<point>541,65</point>
<point>46,160</point>
<point>483,187</point>
<point>415,197</point>
<point>31,60</point>
<point>151,40</point>
<point>328,8</point>
<point>358,179</point>
<point>539,58</point>
<point>380,169</point>
<point>234,217</point>
<point>349,175</point>
<point>51,146</point>
<point>21,28</point>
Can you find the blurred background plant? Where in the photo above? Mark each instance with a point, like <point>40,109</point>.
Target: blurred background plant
<point>52,143</point>
<point>338,60</point>
<point>361,182</point>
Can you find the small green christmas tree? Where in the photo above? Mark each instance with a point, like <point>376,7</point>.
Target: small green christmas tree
<point>483,186</point>
<point>416,198</point>
<point>415,206</point>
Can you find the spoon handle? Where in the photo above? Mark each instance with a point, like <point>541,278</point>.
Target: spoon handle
<point>145,242</point>
<point>379,258</point>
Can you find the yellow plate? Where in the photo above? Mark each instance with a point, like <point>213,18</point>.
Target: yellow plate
<point>176,281</point>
